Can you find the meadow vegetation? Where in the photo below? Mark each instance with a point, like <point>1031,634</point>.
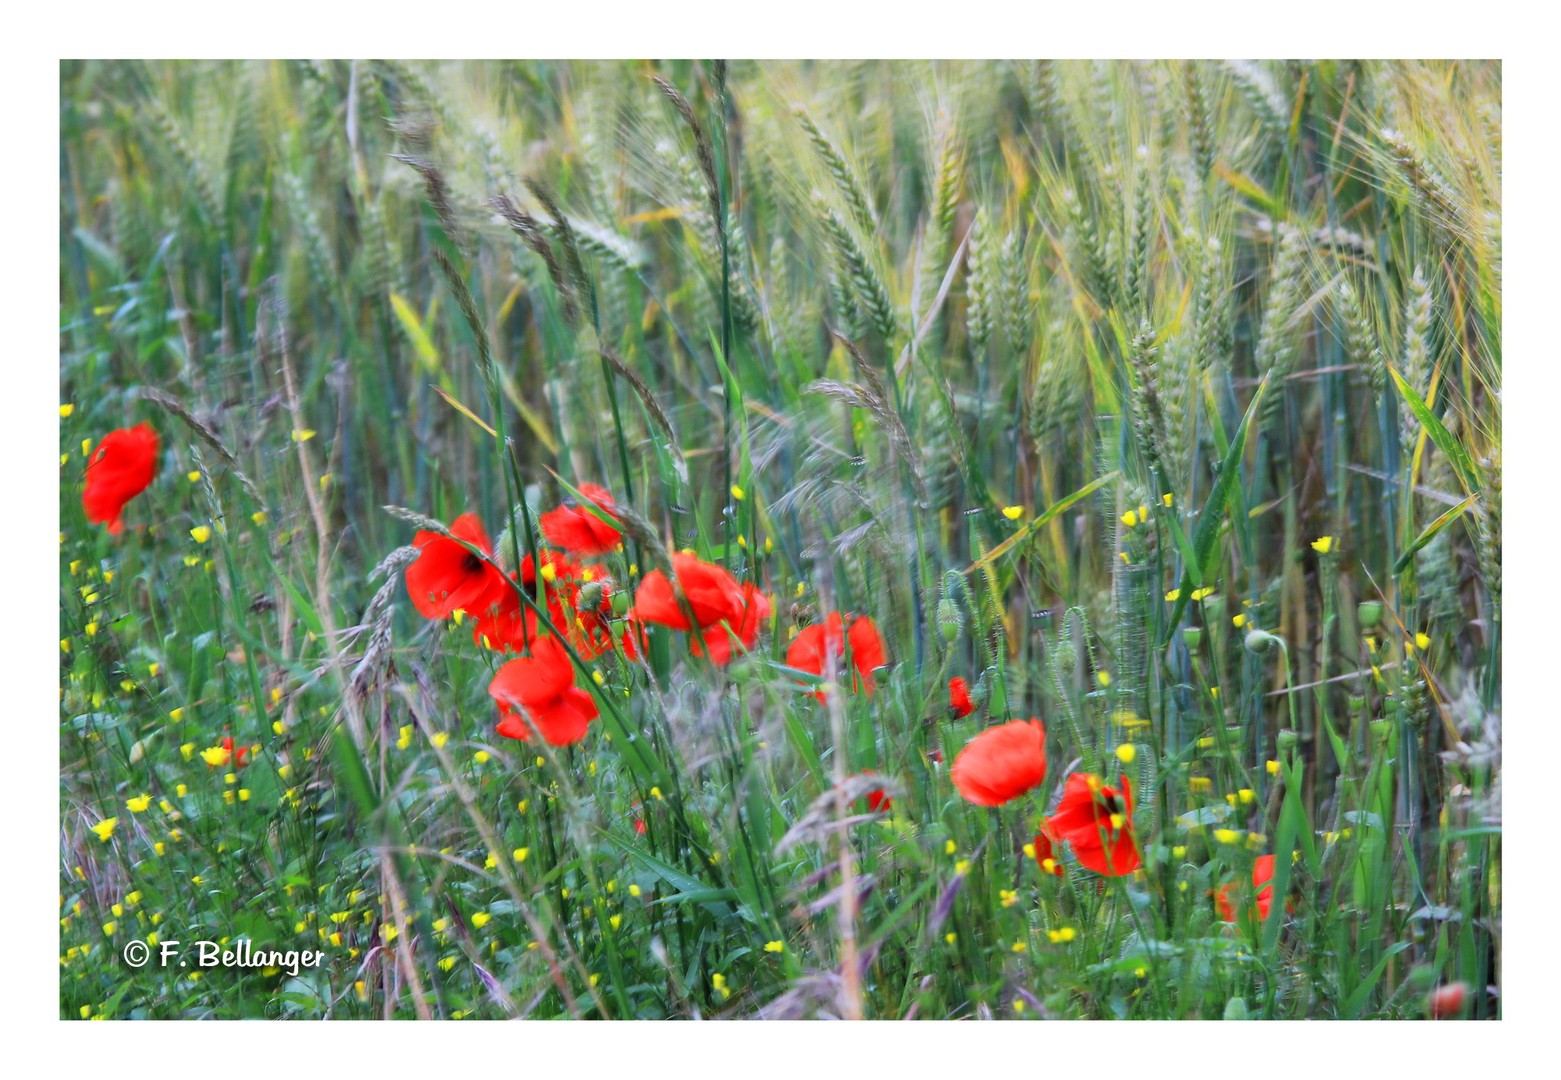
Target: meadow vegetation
<point>1159,402</point>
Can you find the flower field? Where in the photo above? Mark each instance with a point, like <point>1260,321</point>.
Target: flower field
<point>780,540</point>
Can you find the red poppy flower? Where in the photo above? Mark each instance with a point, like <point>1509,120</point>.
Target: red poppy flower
<point>1097,821</point>
<point>959,698</point>
<point>1045,855</point>
<point>877,799</point>
<point>633,639</point>
<point>239,754</point>
<point>713,595</point>
<point>507,623</point>
<point>447,576</point>
<point>1263,891</point>
<point>810,650</point>
<point>541,687</point>
<point>590,630</point>
<point>121,467</point>
<point>718,642</point>
<point>1001,763</point>
<point>639,826</point>
<point>226,755</point>
<point>1447,1002</point>
<point>726,614</point>
<point>580,532</point>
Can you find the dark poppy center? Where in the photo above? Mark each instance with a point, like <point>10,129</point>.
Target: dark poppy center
<point>471,563</point>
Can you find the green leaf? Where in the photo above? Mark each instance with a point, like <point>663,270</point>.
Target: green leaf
<point>1041,521</point>
<point>421,342</point>
<point>1353,1005</point>
<point>1293,827</point>
<point>1206,539</point>
<point>1443,438</point>
<point>1431,530</point>
<point>350,770</point>
<point>689,889</point>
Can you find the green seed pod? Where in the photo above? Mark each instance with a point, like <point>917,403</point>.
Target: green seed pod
<point>1193,636</point>
<point>1382,730</point>
<point>620,602</point>
<point>1369,612</point>
<point>1288,739</point>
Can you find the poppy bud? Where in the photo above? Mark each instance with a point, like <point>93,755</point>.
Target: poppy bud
<point>504,550</point>
<point>1447,1002</point>
<point>1260,641</point>
<point>949,620</point>
<point>590,597</point>
<point>1369,612</point>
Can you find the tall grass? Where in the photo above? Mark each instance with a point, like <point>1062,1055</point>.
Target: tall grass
<point>1157,400</point>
